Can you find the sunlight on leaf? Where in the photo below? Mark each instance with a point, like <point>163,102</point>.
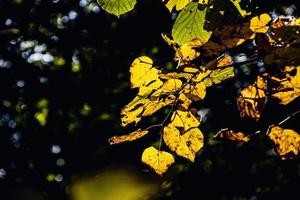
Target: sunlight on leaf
<point>185,144</point>
<point>258,24</point>
<point>227,134</point>
<point>117,7</point>
<point>160,161</point>
<point>242,12</point>
<point>142,72</point>
<point>184,119</point>
<point>287,141</point>
<point>179,4</point>
<point>190,25</point>
<point>127,138</point>
<point>288,88</point>
<point>252,99</point>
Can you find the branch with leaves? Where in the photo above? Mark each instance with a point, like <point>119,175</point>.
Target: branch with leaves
<point>204,60</point>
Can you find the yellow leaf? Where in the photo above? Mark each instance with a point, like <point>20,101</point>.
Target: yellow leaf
<point>160,161</point>
<point>169,86</point>
<point>127,138</point>
<point>287,141</point>
<point>218,75</point>
<point>142,72</point>
<point>184,119</point>
<point>227,134</point>
<point>186,52</point>
<point>139,107</point>
<point>195,92</point>
<point>184,101</point>
<point>259,24</point>
<point>185,144</point>
<point>288,88</point>
<point>204,2</point>
<point>178,3</point>
<point>252,99</point>
<point>175,75</point>
<point>242,12</point>
<point>148,89</point>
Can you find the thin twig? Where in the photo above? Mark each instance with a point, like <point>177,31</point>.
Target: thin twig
<point>287,118</point>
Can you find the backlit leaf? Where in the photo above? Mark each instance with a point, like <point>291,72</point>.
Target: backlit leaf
<point>242,12</point>
<point>160,161</point>
<point>252,99</point>
<point>127,138</point>
<point>117,7</point>
<point>185,144</point>
<point>142,72</point>
<point>179,4</point>
<point>190,25</point>
<point>287,141</point>
<point>184,119</point>
<point>227,134</point>
<point>288,88</point>
<point>258,24</point>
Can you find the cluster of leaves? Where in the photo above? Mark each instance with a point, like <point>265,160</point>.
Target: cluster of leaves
<point>202,63</point>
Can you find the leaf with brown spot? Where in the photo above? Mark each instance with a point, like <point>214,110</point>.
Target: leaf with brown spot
<point>252,99</point>
<point>227,134</point>
<point>287,141</point>
<point>185,144</point>
<point>160,161</point>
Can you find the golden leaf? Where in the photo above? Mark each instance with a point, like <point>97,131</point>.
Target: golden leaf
<point>288,88</point>
<point>258,24</point>
<point>160,161</point>
<point>252,99</point>
<point>195,91</point>
<point>139,107</point>
<point>186,52</point>
<point>184,119</point>
<point>127,138</point>
<point>185,144</point>
<point>169,86</point>
<point>184,101</point>
<point>227,134</point>
<point>242,12</point>
<point>142,72</point>
<point>287,141</point>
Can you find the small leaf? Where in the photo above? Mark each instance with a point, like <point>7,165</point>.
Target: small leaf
<point>287,141</point>
<point>179,4</point>
<point>259,24</point>
<point>128,138</point>
<point>160,161</point>
<point>117,7</point>
<point>190,25</point>
<point>227,134</point>
<point>242,12</point>
<point>252,99</point>
<point>185,144</point>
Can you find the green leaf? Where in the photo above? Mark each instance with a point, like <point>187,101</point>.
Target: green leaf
<point>190,25</point>
<point>117,7</point>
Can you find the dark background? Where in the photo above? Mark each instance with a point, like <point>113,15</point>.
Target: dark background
<point>84,105</point>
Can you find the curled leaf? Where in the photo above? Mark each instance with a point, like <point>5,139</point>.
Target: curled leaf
<point>252,99</point>
<point>128,138</point>
<point>160,161</point>
<point>227,134</point>
<point>287,141</point>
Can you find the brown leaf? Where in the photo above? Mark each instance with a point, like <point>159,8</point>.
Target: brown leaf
<point>227,134</point>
